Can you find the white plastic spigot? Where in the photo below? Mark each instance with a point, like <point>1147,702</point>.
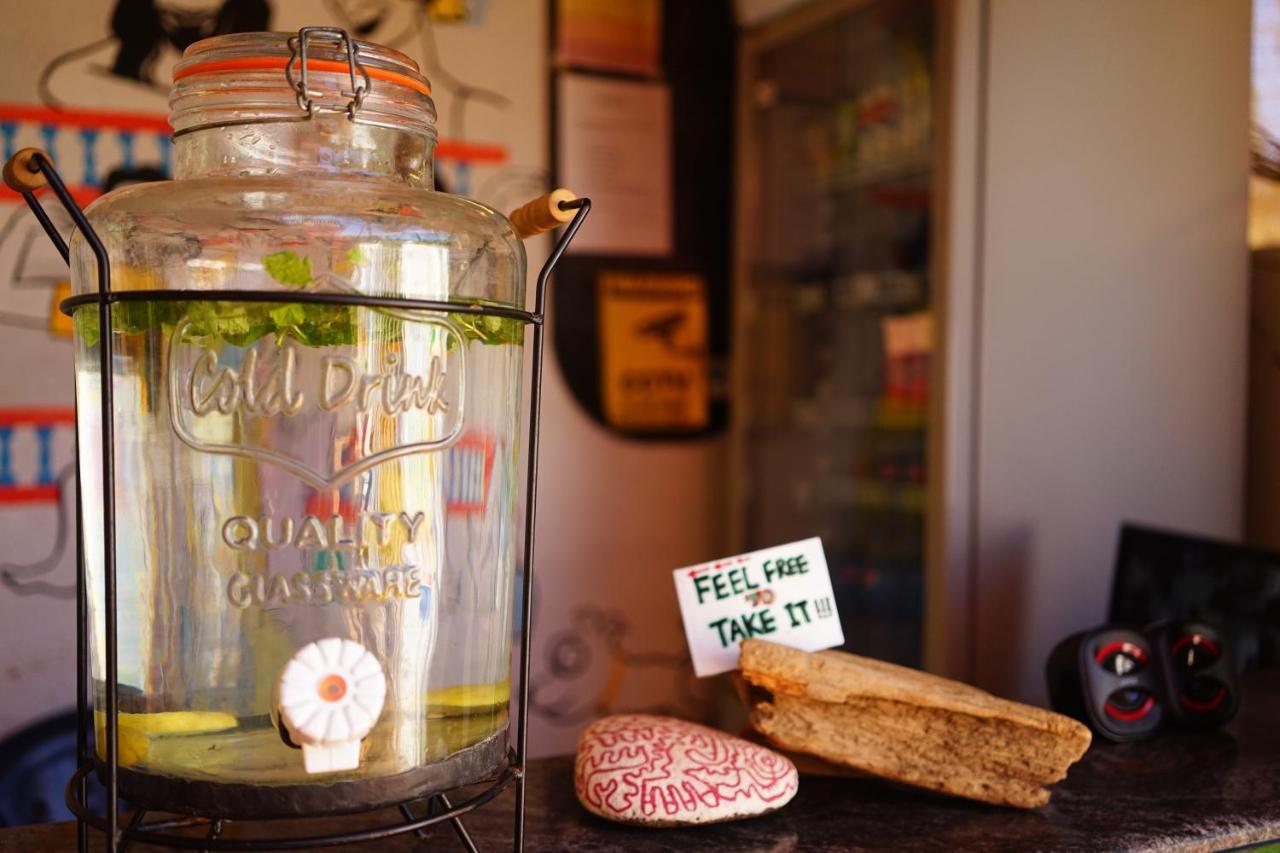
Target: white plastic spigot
<point>330,694</point>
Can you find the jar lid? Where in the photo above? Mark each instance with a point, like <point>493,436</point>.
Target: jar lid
<point>262,63</point>
<point>250,77</point>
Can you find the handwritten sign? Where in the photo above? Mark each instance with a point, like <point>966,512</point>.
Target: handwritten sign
<point>781,594</point>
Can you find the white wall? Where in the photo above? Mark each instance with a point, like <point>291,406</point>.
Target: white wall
<point>1111,297</point>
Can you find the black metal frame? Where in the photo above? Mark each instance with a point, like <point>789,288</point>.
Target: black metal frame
<point>440,808</point>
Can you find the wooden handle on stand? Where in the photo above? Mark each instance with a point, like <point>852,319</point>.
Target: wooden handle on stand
<point>21,173</point>
<point>542,214</point>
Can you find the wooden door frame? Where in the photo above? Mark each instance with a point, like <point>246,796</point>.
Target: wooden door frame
<point>955,265</point>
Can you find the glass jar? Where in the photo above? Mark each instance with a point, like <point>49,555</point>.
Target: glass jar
<point>315,503</point>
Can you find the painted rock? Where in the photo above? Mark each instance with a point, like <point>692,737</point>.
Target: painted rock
<point>660,771</point>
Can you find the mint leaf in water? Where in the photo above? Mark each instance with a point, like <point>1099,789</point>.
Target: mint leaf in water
<point>213,323</point>
<point>488,329</point>
<point>87,326</point>
<point>236,323</point>
<point>286,316</point>
<point>288,268</point>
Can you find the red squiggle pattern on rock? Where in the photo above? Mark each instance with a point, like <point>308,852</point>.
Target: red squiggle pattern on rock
<point>639,768</point>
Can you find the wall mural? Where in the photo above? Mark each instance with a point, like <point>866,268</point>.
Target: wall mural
<point>593,666</point>
<point>146,38</point>
<point>101,114</point>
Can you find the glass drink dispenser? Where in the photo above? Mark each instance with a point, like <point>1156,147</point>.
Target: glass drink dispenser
<point>315,511</point>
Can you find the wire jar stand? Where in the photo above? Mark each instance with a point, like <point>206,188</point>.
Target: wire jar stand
<point>27,172</point>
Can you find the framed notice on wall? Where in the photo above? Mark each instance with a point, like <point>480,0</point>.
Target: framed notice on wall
<point>653,351</point>
<point>615,145</point>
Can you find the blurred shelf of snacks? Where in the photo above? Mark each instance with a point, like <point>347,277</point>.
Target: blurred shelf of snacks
<point>837,191</point>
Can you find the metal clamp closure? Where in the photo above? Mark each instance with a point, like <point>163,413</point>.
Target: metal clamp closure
<point>360,82</point>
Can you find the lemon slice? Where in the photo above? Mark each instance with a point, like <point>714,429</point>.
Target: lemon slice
<point>175,722</point>
<point>469,696</point>
<point>136,730</point>
<point>131,744</point>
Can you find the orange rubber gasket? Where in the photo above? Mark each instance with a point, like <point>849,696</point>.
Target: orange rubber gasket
<point>262,63</point>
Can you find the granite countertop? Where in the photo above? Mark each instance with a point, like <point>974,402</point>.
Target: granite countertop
<point>1183,791</point>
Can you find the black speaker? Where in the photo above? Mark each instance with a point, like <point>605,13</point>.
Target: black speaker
<point>1109,680</point>
<point>1199,680</point>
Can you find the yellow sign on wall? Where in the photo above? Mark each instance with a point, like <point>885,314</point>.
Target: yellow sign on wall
<point>653,351</point>
<point>59,323</point>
